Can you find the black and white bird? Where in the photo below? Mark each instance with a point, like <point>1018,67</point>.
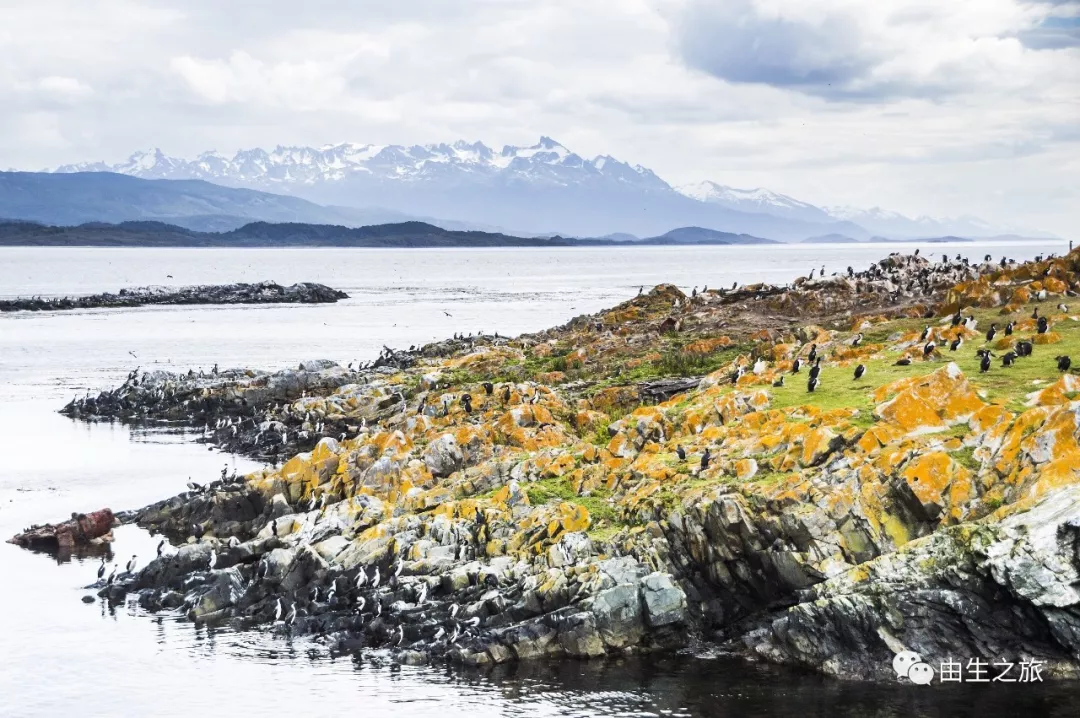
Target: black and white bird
<point>956,343</point>
<point>991,333</point>
<point>1009,329</point>
<point>813,353</point>
<point>812,384</point>
<point>212,561</point>
<point>860,371</point>
<point>984,363</point>
<point>815,370</point>
<point>290,617</point>
<point>779,382</point>
<point>1064,309</point>
<point>926,332</point>
<point>101,568</point>
<point>161,547</point>
<point>131,564</point>
<point>928,350</point>
<point>377,578</point>
<point>796,365</point>
<point>1043,325</point>
<point>454,610</point>
<point>857,339</point>
<point>705,458</point>
<point>1008,359</point>
<point>1063,363</point>
<point>680,452</point>
<point>112,576</point>
<point>903,361</point>
<point>1035,313</point>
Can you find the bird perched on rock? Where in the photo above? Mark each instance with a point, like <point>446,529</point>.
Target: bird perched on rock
<point>680,452</point>
<point>857,339</point>
<point>212,561</point>
<point>705,458</point>
<point>928,350</point>
<point>488,387</point>
<point>1063,363</point>
<point>131,564</point>
<point>860,371</point>
<point>466,401</point>
<point>101,568</point>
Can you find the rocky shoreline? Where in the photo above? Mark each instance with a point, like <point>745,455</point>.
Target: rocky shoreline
<point>658,474</point>
<point>260,293</point>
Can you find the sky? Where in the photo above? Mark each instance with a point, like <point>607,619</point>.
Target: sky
<point>944,108</point>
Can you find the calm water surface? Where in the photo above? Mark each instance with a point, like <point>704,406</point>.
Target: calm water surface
<point>59,656</point>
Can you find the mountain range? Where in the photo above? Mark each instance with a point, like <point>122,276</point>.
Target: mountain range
<point>289,234</point>
<point>541,189</point>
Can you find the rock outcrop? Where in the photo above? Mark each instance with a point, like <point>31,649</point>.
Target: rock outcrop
<point>656,474</point>
<point>261,293</point>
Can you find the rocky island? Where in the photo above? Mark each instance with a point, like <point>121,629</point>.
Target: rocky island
<point>821,475</point>
<point>260,293</point>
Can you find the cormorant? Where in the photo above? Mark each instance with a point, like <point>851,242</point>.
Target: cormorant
<point>956,343</point>
<point>984,364</point>
<point>779,382</point>
<point>705,459</point>
<point>1043,325</point>
<point>681,453</point>
<point>991,333</point>
<point>1008,359</point>
<point>812,384</point>
<point>1009,329</point>
<point>1063,363</point>
<point>859,371</point>
<point>795,365</point>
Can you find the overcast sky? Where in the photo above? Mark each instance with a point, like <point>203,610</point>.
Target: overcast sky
<point>941,107</point>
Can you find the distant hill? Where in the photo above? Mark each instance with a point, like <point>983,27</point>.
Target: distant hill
<point>73,199</point>
<point>830,239</point>
<point>700,235</point>
<point>291,234</point>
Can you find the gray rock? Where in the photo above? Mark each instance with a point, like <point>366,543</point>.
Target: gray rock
<point>665,603</point>
<point>443,456</point>
<point>618,616</point>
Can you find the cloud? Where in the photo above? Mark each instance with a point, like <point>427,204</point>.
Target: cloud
<point>852,50</point>
<point>921,106</point>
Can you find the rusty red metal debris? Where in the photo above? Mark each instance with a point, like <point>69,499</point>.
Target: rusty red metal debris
<point>80,530</point>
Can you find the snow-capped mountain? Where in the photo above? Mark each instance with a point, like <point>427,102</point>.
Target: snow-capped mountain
<point>542,188</point>
<point>893,224</point>
<point>546,162</point>
<point>754,200</point>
